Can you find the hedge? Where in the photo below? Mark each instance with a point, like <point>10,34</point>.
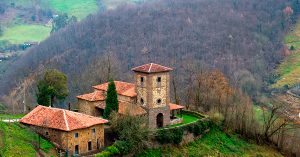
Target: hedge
<point>174,135</point>
<point>169,136</point>
<point>117,149</point>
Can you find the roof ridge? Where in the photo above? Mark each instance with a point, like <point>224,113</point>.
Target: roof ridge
<point>95,92</point>
<point>150,67</point>
<point>66,121</point>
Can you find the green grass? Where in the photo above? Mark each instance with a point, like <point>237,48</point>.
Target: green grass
<point>289,69</point>
<point>12,116</point>
<point>186,119</point>
<point>214,143</point>
<point>16,141</point>
<point>78,8</point>
<point>113,4</point>
<point>22,33</point>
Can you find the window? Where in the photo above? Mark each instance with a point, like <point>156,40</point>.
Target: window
<point>89,145</point>
<point>158,79</point>
<point>76,135</point>
<point>93,131</point>
<point>76,152</point>
<point>142,101</point>
<point>47,133</point>
<point>158,101</point>
<point>142,79</point>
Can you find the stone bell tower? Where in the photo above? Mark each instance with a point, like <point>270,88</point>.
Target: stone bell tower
<point>153,92</point>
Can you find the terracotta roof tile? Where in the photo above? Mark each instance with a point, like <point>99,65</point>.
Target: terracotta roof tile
<point>60,119</point>
<point>175,106</point>
<point>151,68</point>
<point>123,88</point>
<point>95,96</point>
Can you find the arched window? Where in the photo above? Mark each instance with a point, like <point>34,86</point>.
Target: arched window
<point>158,101</point>
<point>142,101</point>
<point>158,79</point>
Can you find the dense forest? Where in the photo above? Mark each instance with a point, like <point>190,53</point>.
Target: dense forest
<point>241,38</point>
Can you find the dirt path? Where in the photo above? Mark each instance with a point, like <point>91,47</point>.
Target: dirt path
<point>10,120</point>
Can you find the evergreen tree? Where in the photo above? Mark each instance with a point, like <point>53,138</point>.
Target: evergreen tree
<point>111,100</point>
<point>52,86</point>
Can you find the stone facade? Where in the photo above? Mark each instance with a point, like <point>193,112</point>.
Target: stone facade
<point>153,94</point>
<point>89,107</point>
<point>66,140</point>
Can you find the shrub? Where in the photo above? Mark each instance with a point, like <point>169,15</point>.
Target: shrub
<point>177,135</point>
<point>163,136</point>
<point>174,136</point>
<point>113,150</point>
<point>197,129</point>
<point>292,47</point>
<point>104,153</point>
<point>123,147</point>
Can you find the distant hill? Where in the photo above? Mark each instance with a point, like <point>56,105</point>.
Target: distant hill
<point>242,38</point>
<point>30,20</point>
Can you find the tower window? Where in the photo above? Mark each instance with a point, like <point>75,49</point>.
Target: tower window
<point>158,79</point>
<point>158,101</point>
<point>76,135</point>
<point>142,79</point>
<point>142,101</point>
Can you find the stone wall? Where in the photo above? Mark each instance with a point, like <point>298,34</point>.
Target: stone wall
<point>152,114</point>
<point>84,136</point>
<point>88,107</point>
<point>160,90</point>
<point>66,140</point>
<point>55,136</point>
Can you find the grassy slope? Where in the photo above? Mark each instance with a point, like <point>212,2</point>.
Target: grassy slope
<point>11,116</point>
<point>289,69</point>
<point>215,143</point>
<point>78,8</point>
<point>16,141</point>
<point>22,33</point>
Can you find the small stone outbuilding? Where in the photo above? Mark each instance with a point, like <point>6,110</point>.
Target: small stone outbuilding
<point>75,133</point>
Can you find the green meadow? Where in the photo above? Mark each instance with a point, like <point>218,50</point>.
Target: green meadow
<point>78,8</point>
<point>16,141</point>
<point>19,34</point>
<point>289,69</point>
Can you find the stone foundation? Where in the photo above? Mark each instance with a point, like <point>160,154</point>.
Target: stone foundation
<point>176,121</point>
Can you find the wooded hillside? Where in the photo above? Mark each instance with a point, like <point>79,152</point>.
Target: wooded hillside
<point>241,38</point>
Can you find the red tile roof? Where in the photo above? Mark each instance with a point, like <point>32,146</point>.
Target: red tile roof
<point>151,68</point>
<point>125,108</point>
<point>95,96</point>
<point>60,119</point>
<point>175,106</point>
<point>123,88</point>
